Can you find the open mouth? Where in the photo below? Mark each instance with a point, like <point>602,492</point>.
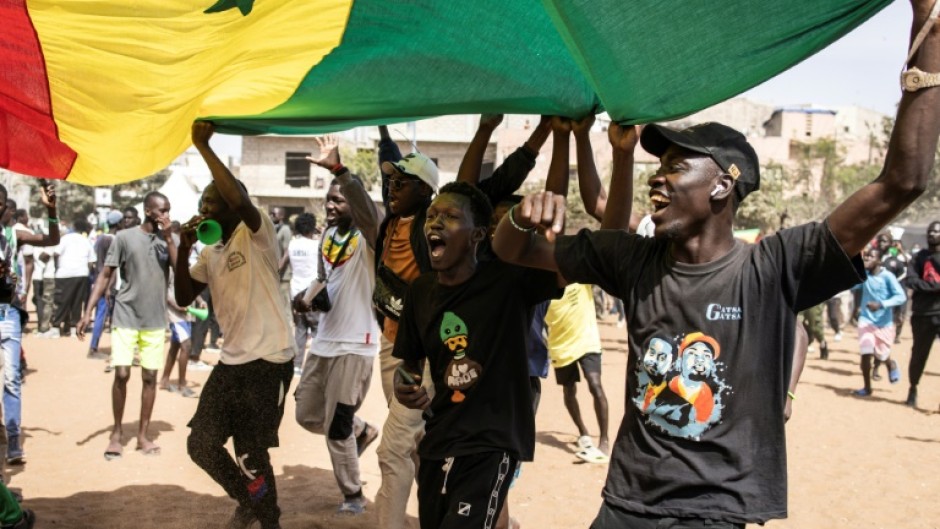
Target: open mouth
<point>659,201</point>
<point>436,245</point>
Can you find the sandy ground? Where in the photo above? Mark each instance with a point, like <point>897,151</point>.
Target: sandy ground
<point>853,463</point>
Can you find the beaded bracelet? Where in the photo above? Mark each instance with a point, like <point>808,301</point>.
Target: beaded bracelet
<point>513,221</point>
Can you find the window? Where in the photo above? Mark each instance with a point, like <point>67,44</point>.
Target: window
<point>297,169</point>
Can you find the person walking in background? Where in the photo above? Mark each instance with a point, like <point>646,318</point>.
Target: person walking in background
<point>106,302</point>
<point>303,252</point>
<point>881,292</point>
<point>11,325</point>
<point>75,259</point>
<point>923,278</point>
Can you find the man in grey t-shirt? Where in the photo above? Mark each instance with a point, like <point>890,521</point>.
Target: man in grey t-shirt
<point>139,319</point>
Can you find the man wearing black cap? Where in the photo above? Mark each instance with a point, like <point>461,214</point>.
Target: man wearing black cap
<point>706,445</point>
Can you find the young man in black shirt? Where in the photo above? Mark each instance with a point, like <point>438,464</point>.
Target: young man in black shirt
<point>709,448</point>
<point>469,320</point>
<point>923,278</point>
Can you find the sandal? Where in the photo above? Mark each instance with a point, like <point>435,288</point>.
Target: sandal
<point>593,455</point>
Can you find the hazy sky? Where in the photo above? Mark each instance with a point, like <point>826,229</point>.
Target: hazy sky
<point>861,69</point>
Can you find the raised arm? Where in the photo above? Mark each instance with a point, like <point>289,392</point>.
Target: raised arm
<point>558,169</point>
<point>365,216</point>
<point>516,240</point>
<point>589,182</point>
<point>472,164</point>
<point>46,198</point>
<point>231,191</point>
<point>388,152</point>
<point>618,214</point>
<point>910,155</point>
<point>509,176</point>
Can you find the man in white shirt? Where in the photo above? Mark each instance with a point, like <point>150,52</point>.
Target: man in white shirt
<point>336,376</point>
<point>243,398</point>
<point>303,254</point>
<point>75,257</point>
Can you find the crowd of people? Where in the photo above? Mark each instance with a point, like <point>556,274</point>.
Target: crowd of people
<point>464,294</point>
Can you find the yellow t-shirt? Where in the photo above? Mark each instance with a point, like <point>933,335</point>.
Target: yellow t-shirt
<point>572,326</point>
<point>400,259</point>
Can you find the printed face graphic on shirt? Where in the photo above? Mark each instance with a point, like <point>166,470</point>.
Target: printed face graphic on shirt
<point>682,398</point>
<point>462,372</point>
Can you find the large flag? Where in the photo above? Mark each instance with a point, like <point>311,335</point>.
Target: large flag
<point>104,91</point>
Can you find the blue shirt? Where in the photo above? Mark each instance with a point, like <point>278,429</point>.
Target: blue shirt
<point>884,288</point>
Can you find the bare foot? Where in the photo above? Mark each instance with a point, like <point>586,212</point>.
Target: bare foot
<point>147,447</point>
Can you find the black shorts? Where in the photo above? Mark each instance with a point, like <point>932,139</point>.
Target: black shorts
<point>245,400</point>
<point>467,494</point>
<point>590,363</point>
<point>611,517</point>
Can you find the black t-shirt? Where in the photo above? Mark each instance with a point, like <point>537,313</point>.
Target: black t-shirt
<point>923,278</point>
<point>711,349</point>
<point>895,265</point>
<point>474,337</point>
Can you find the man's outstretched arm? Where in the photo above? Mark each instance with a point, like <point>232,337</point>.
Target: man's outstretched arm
<point>230,190</point>
<point>910,155</point>
<point>472,163</point>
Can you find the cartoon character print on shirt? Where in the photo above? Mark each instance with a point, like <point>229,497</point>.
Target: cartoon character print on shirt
<point>681,393</point>
<point>462,372</point>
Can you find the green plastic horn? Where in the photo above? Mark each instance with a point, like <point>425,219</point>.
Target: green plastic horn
<point>200,314</point>
<point>209,232</point>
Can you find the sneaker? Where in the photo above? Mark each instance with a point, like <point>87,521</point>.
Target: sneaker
<point>199,366</point>
<point>94,354</point>
<point>108,368</point>
<point>352,507</point>
<point>894,375</point>
<point>242,518</point>
<point>298,372</point>
<point>837,337</point>
<point>862,392</point>
<point>824,352</point>
<point>51,333</point>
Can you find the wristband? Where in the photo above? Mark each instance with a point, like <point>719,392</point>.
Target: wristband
<point>337,169</point>
<point>513,221</point>
<point>53,220</point>
<point>791,395</point>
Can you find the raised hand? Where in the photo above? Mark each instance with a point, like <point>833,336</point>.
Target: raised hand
<point>582,126</point>
<point>47,194</point>
<point>545,209</point>
<point>561,124</point>
<point>202,131</point>
<point>490,121</point>
<point>188,230</point>
<point>623,137</point>
<point>329,152</point>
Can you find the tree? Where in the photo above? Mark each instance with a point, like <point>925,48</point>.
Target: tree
<point>363,163</point>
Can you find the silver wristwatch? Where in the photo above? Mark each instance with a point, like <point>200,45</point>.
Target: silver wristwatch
<point>914,79</point>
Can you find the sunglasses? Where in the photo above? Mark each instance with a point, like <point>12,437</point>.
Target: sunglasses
<point>397,184</point>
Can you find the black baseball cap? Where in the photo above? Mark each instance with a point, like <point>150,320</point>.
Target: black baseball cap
<point>728,147</point>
